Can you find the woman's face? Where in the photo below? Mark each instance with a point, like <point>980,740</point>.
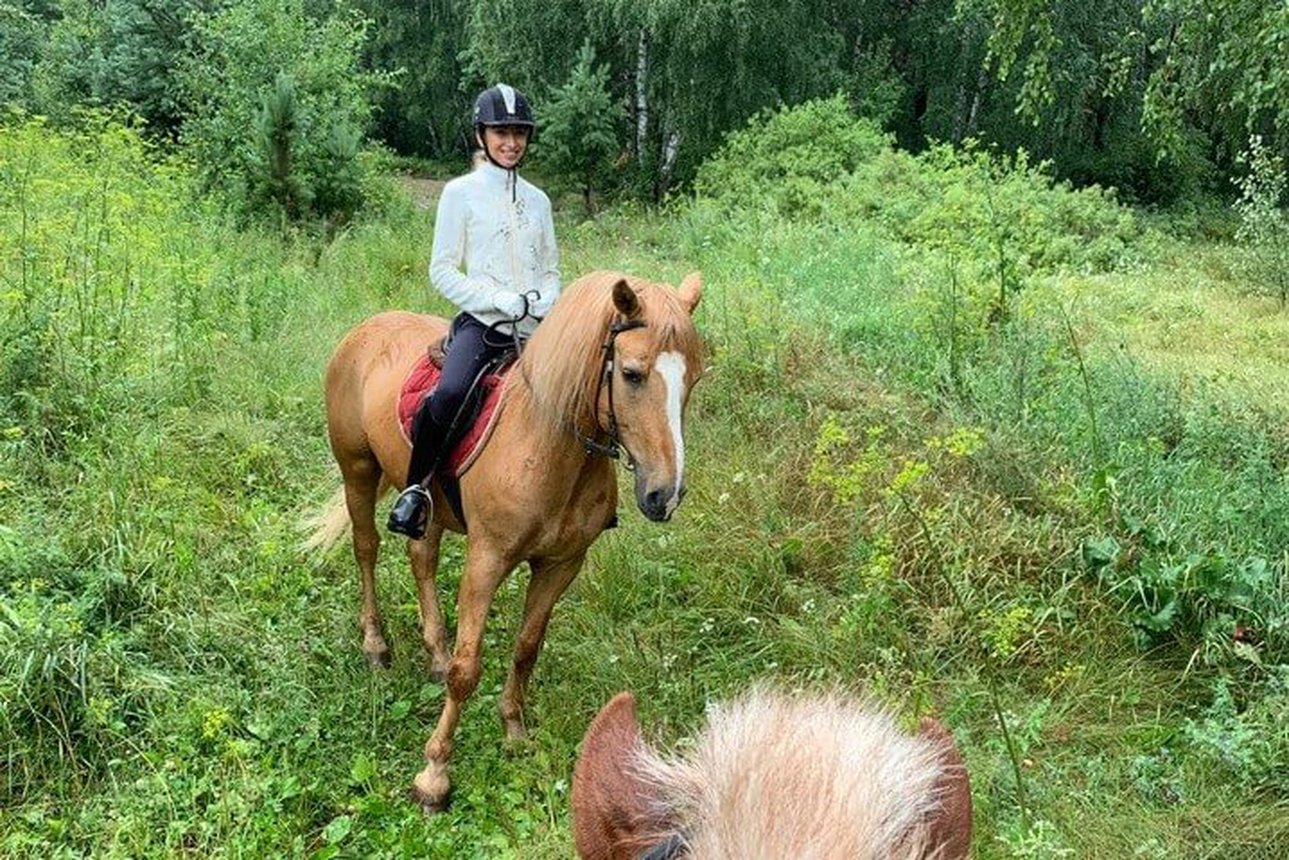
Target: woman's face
<point>506,143</point>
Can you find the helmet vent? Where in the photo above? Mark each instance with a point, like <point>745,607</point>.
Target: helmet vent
<point>508,96</point>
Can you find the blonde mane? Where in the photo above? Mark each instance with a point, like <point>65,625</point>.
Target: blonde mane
<point>814,778</point>
<point>562,363</point>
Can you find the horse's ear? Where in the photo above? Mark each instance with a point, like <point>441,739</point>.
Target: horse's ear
<point>950,824</point>
<point>691,290</point>
<point>626,300</point>
<point>610,804</point>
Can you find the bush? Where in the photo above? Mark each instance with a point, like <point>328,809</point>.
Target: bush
<point>791,160</point>
<point>1002,219</point>
<point>73,330</point>
<point>245,55</point>
<point>1264,225</point>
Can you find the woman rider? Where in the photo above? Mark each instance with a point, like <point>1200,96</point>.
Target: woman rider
<point>495,258</point>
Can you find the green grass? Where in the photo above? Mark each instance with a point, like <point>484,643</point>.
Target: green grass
<point>886,490</point>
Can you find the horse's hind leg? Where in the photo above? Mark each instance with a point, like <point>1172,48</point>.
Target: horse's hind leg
<point>362,487</point>
<point>548,582</point>
<point>424,557</point>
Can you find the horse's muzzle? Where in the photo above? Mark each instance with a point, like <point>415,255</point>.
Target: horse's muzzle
<point>659,505</point>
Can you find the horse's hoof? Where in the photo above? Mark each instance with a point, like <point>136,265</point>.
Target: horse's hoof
<point>428,807</point>
<point>431,790</point>
<point>516,734</point>
<point>378,659</point>
<point>438,672</point>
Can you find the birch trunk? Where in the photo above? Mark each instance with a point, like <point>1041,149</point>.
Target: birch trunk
<point>642,92</point>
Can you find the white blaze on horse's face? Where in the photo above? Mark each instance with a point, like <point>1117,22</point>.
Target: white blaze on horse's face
<point>650,406</point>
<point>671,367</point>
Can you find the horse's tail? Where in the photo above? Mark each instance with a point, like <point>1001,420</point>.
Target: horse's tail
<point>326,525</point>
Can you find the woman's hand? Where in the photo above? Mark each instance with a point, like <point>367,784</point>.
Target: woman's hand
<point>511,304</point>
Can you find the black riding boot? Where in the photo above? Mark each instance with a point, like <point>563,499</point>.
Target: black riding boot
<point>412,510</point>
<point>414,506</point>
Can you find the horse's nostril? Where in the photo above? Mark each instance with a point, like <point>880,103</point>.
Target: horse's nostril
<point>654,505</point>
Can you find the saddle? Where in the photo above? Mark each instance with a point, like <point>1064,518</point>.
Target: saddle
<point>422,379</point>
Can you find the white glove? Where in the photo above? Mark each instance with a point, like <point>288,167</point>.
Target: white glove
<point>540,306</point>
<point>510,304</point>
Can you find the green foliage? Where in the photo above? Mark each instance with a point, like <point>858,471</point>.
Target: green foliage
<point>1222,62</point>
<point>117,54</point>
<point>790,160</point>
<point>235,78</point>
<point>1071,82</point>
<point>579,124</point>
<point>74,673</point>
<point>1201,598</point>
<point>71,336</point>
<point>1264,222</point>
<point>1001,220</point>
<point>21,34</point>
<point>1248,739</point>
<point>1008,214</point>
<point>1014,22</point>
<point>70,64</point>
<point>425,110</point>
<point>278,124</point>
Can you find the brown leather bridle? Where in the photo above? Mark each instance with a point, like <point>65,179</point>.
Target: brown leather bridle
<point>612,448</point>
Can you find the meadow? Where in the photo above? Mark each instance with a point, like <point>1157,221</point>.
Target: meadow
<point>975,442</point>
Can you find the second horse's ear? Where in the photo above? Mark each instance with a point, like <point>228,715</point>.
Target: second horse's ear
<point>950,825</point>
<point>610,804</point>
<point>626,300</point>
<point>691,290</point>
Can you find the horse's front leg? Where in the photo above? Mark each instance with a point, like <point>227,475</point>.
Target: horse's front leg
<point>484,571</point>
<point>424,557</point>
<point>548,582</point>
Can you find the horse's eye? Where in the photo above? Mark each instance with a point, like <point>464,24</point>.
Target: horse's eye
<point>633,377</point>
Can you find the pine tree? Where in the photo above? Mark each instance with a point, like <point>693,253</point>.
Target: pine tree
<point>278,126</point>
<point>581,124</point>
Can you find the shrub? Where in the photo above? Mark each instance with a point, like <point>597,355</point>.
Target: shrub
<point>1003,219</point>
<point>1264,225</point>
<point>246,54</point>
<point>791,160</point>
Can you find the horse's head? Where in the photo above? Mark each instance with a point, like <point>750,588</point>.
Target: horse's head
<point>656,359</point>
<point>615,360</point>
<point>764,764</point>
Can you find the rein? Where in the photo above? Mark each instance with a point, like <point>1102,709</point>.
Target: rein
<point>613,448</point>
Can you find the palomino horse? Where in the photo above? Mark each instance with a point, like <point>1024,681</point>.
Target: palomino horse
<point>817,777</point>
<point>612,364</point>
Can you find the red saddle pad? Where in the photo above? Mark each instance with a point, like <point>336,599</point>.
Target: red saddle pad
<point>418,385</point>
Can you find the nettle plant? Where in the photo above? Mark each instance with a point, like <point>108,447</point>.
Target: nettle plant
<point>1264,225</point>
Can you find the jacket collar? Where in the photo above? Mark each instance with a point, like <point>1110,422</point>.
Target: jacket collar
<point>494,175</point>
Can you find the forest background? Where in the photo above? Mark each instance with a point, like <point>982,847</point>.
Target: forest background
<point>994,428</point>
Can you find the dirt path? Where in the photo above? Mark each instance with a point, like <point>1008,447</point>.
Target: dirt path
<point>424,192</point>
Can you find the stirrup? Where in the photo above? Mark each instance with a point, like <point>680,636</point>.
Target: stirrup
<point>411,512</point>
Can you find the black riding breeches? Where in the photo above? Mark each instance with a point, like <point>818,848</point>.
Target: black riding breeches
<point>470,349</point>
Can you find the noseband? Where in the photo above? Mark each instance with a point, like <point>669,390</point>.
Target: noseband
<point>612,448</point>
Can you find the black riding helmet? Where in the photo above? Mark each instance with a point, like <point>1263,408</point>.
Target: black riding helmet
<point>502,105</point>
